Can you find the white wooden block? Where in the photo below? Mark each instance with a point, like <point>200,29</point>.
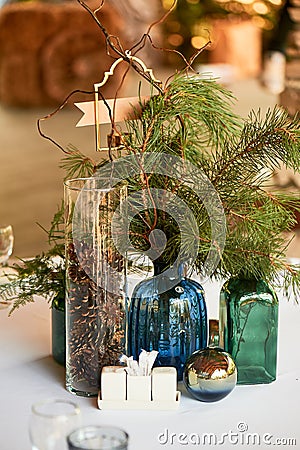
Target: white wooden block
<point>139,388</point>
<point>113,383</point>
<point>135,404</point>
<point>164,384</point>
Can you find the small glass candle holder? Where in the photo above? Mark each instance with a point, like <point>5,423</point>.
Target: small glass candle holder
<point>98,438</point>
<point>51,421</point>
<point>6,243</point>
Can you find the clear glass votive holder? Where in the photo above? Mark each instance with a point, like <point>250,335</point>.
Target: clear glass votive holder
<point>6,243</point>
<point>50,422</point>
<point>98,438</point>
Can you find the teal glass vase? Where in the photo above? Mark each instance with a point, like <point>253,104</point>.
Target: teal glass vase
<point>167,313</point>
<point>58,326</point>
<point>249,328</point>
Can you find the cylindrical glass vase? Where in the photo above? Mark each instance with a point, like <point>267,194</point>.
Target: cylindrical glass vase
<point>95,284</point>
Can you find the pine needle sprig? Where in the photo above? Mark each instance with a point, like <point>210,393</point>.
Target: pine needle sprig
<point>42,275</point>
<point>56,231</point>
<point>187,120</point>
<point>264,142</point>
<point>206,106</point>
<point>190,116</point>
<point>77,165</point>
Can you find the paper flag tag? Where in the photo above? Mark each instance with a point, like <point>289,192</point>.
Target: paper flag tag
<point>120,108</point>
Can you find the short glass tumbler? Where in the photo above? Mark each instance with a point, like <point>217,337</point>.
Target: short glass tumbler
<point>98,438</point>
<point>51,421</point>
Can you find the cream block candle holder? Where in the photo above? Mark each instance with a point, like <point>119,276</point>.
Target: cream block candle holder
<point>122,391</point>
<point>138,388</point>
<point>164,384</point>
<point>113,383</point>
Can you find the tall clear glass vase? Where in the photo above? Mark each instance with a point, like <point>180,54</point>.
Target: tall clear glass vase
<point>96,283</point>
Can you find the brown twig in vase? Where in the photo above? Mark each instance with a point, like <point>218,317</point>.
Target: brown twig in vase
<point>125,55</point>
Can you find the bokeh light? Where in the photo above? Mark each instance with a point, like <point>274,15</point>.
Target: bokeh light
<point>190,25</point>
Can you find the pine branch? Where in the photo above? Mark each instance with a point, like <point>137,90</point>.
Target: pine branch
<point>56,231</point>
<point>41,275</point>
<point>267,142</point>
<point>77,165</point>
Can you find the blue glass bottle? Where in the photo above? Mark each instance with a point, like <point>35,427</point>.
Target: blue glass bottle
<point>167,313</point>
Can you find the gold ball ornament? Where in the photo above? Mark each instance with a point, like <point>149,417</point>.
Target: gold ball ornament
<point>210,374</point>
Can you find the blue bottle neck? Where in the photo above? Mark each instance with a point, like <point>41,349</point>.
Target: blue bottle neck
<point>176,271</point>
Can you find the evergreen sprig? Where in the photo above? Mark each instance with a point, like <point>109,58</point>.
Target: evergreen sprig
<point>263,142</point>
<point>42,275</point>
<point>76,164</point>
<point>191,116</point>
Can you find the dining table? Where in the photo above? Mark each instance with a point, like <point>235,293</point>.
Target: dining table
<point>252,416</point>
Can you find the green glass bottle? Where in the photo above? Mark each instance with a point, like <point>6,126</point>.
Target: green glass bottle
<point>58,327</point>
<point>249,327</point>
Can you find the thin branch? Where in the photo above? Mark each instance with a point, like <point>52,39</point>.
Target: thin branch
<point>289,134</point>
<point>100,6</point>
<point>103,29</point>
<point>118,43</point>
<point>59,108</point>
<point>124,55</point>
<point>163,18</point>
<point>142,42</point>
<point>198,52</point>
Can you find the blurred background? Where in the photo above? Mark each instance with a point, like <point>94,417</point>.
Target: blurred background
<point>48,49</point>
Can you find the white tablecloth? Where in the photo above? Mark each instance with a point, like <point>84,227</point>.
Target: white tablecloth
<point>269,412</point>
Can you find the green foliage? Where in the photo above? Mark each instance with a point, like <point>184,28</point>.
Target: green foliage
<point>257,216</point>
<point>42,275</point>
<point>76,164</point>
<point>195,18</point>
<point>192,119</point>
